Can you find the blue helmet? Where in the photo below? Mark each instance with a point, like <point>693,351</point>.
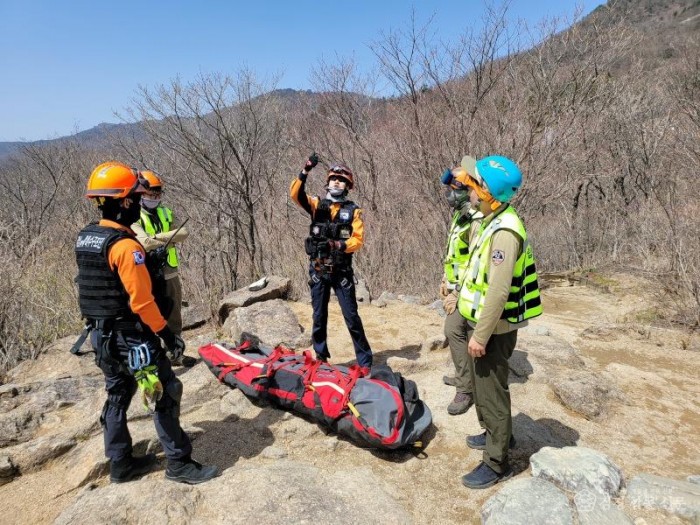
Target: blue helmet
<point>501,176</point>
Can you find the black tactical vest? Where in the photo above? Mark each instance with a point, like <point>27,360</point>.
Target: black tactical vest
<point>101,294</point>
<point>324,228</point>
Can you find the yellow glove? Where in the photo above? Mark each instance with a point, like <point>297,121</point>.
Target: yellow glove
<point>443,289</point>
<point>449,303</point>
<point>150,385</point>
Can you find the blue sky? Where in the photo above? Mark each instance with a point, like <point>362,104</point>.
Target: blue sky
<point>68,65</point>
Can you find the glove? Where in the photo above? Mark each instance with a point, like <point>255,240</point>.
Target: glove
<point>174,343</point>
<point>443,289</point>
<point>311,163</point>
<point>335,246</point>
<point>449,303</point>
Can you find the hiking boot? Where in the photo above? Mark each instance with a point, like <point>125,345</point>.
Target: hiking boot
<point>478,442</point>
<point>449,380</point>
<point>130,468</point>
<point>484,476</point>
<point>187,470</point>
<point>184,360</point>
<point>460,404</point>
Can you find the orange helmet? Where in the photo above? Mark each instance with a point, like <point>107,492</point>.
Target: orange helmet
<point>116,180</point>
<point>342,171</point>
<point>154,180</point>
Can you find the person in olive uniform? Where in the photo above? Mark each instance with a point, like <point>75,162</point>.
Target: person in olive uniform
<point>465,220</point>
<point>156,228</point>
<point>498,294</point>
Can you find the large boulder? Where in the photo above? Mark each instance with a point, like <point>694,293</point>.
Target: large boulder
<point>577,469</point>
<point>527,501</point>
<point>681,498</point>
<point>273,322</point>
<point>595,508</point>
<point>590,394</point>
<point>194,316</point>
<point>276,288</point>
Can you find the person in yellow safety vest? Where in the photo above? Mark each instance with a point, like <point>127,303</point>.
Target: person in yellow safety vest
<point>464,221</point>
<point>498,293</point>
<point>155,228</point>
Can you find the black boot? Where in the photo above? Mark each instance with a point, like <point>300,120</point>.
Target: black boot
<point>187,470</point>
<point>484,476</point>
<point>130,467</point>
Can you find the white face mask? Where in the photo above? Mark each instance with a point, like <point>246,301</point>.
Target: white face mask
<point>150,203</point>
<point>336,192</point>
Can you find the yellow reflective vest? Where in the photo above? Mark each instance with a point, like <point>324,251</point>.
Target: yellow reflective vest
<point>524,299</point>
<point>165,217</point>
<point>457,251</point>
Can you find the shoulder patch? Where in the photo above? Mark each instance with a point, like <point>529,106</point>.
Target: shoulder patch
<point>139,257</point>
<point>497,257</point>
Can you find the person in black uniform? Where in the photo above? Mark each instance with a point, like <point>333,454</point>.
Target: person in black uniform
<point>114,295</point>
<point>336,232</point>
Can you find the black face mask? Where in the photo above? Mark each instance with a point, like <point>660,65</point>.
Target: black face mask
<point>128,216</point>
<point>456,198</point>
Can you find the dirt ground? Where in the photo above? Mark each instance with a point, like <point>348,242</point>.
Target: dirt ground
<point>653,428</point>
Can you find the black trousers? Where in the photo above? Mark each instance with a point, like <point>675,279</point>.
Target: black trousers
<point>112,351</point>
<point>343,284</point>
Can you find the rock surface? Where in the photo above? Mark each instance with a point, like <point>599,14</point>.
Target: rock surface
<point>194,316</point>
<point>585,392</point>
<point>676,497</point>
<point>276,288</point>
<point>271,321</point>
<point>280,493</point>
<point>514,504</point>
<point>577,469</point>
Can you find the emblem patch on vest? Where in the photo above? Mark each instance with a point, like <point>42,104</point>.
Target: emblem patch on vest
<point>139,257</point>
<point>316,230</point>
<point>344,215</point>
<point>497,257</point>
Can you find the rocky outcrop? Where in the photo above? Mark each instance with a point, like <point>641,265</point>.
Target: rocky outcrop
<point>513,504</point>
<point>576,469</point>
<point>589,477</point>
<point>279,493</point>
<point>275,288</point>
<point>194,316</point>
<point>272,322</point>
<point>28,406</point>
<point>585,392</point>
<point>681,498</point>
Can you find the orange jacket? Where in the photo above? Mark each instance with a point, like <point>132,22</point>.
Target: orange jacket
<point>122,257</point>
<point>308,203</point>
